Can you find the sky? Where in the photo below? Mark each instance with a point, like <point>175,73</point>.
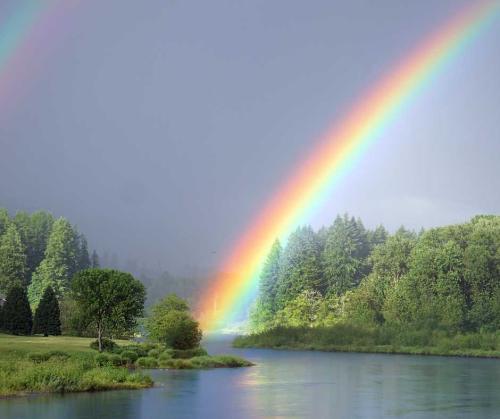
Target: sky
<point>161,128</point>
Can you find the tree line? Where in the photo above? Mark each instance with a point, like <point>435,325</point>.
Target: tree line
<point>38,251</point>
<point>442,278</point>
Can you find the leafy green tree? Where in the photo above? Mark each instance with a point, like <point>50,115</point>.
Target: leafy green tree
<point>303,310</point>
<point>47,316</point>
<point>17,314</point>
<point>109,301</point>
<point>12,259</point>
<point>301,268</point>
<point>58,266</point>
<point>172,324</point>
<point>41,227</point>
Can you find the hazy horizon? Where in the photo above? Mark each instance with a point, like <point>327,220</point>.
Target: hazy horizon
<point>161,130</point>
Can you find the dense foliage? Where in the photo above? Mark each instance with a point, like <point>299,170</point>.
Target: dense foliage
<point>16,313</point>
<point>171,324</point>
<point>47,319</point>
<point>37,251</point>
<point>446,278</point>
<point>109,301</point>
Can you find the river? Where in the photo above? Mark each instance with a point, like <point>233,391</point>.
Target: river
<point>294,384</point>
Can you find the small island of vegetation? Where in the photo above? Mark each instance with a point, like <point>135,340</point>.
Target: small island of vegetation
<point>55,301</point>
<point>346,288</point>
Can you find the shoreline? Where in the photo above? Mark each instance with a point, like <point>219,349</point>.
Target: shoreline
<point>381,349</point>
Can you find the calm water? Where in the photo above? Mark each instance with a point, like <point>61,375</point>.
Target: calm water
<point>294,384</point>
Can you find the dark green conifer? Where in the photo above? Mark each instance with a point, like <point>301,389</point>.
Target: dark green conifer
<point>48,316</point>
<point>17,315</point>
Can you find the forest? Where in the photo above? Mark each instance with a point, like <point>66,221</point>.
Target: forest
<point>443,281</point>
<point>38,251</point>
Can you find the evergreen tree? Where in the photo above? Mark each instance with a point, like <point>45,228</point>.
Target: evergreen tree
<point>301,268</point>
<point>4,221</point>
<point>17,313</point>
<point>12,259</point>
<point>48,316</point>
<point>41,226</point>
<point>83,258</point>
<point>59,264</point>
<point>95,260</point>
<point>344,258</point>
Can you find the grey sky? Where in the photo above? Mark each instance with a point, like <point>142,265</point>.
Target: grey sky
<point>161,127</point>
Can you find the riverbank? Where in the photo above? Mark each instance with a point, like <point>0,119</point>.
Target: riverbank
<point>349,338</point>
<point>35,364</point>
<point>64,364</point>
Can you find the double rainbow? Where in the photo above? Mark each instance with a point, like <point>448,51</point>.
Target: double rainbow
<point>311,184</point>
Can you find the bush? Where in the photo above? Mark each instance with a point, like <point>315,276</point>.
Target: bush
<point>129,357</point>
<point>107,345</point>
<point>178,364</point>
<point>139,349</point>
<point>115,359</point>
<point>102,359</point>
<point>166,354</point>
<point>154,353</point>
<point>147,362</point>
<point>188,353</point>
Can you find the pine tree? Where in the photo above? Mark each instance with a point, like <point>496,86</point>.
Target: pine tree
<point>41,227</point>
<point>95,260</point>
<point>17,315</point>
<point>59,264</point>
<point>83,259</point>
<point>269,276</point>
<point>301,267</point>
<point>12,259</point>
<point>48,316</point>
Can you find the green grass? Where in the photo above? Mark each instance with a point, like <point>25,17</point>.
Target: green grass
<point>33,364</point>
<point>355,338</point>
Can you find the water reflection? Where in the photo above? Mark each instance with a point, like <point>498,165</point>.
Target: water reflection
<point>294,384</point>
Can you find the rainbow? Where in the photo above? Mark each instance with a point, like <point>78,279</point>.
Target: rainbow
<point>24,32</point>
<point>336,153</point>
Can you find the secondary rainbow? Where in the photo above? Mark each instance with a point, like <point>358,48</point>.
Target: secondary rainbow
<point>334,155</point>
<point>26,29</point>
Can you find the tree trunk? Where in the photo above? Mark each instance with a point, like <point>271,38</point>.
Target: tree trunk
<point>99,337</point>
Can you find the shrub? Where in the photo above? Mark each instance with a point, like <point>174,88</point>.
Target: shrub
<point>178,364</point>
<point>102,359</point>
<point>115,359</point>
<point>107,345</point>
<point>154,353</point>
<point>147,362</point>
<point>139,349</point>
<point>166,354</point>
<point>129,357</point>
<point>188,353</point>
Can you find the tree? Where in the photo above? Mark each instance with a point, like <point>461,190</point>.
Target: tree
<point>4,220</point>
<point>41,227</point>
<point>344,258</point>
<point>83,257</point>
<point>303,310</point>
<point>47,316</point>
<point>58,266</point>
<point>172,324</point>
<point>109,300</point>
<point>300,268</point>
<point>265,307</point>
<point>12,259</point>
<point>17,315</point>
<point>94,260</point>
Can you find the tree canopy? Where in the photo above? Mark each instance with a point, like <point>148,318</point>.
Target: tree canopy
<point>109,301</point>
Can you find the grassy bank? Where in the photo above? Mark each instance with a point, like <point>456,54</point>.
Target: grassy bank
<point>62,364</point>
<point>354,338</point>
<point>32,364</point>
